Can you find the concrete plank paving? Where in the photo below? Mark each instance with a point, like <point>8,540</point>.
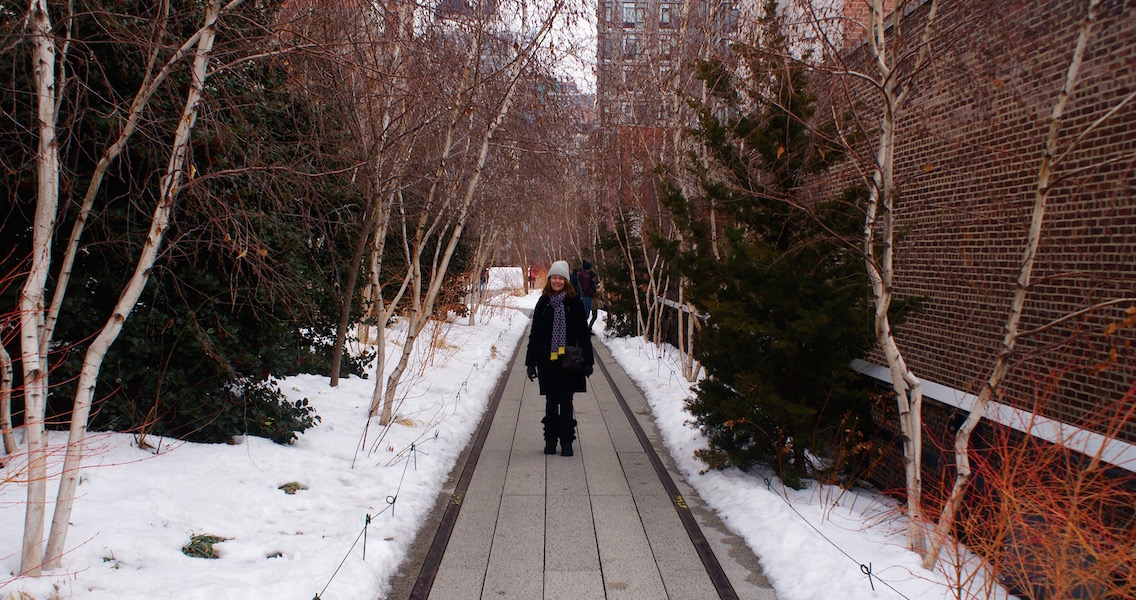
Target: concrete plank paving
<point>625,555</point>
<point>606,524</point>
<point>516,559</point>
<point>573,585</point>
<point>565,478</point>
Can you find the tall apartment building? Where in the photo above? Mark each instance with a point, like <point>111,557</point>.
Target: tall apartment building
<point>637,44</point>
<point>645,52</point>
<point>643,46</point>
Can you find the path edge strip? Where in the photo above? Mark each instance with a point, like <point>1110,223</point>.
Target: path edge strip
<point>701,545</point>
<point>430,566</point>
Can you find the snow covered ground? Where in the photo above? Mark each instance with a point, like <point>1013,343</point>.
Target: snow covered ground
<point>137,507</point>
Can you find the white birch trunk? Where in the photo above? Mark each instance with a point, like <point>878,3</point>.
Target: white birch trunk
<point>93,359</point>
<point>6,403</point>
<point>378,308</point>
<point>688,325</point>
<point>33,360</point>
<point>693,327</point>
<point>382,310</point>
<point>681,322</point>
<point>1009,340</point>
<point>908,389</point>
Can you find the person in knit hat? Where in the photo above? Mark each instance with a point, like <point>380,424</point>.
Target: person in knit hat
<point>559,330</point>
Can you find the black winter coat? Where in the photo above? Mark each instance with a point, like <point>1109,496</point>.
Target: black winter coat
<point>577,333</point>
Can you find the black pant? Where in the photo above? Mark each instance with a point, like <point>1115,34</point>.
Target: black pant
<point>558,407</point>
<point>558,422</point>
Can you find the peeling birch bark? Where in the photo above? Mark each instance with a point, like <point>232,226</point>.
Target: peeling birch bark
<point>6,403</point>
<point>907,388</point>
<point>31,302</point>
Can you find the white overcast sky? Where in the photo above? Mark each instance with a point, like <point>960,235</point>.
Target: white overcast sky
<point>574,41</point>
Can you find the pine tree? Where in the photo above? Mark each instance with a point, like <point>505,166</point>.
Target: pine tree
<point>787,300</point>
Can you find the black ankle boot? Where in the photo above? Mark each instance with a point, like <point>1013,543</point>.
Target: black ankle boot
<point>567,436</point>
<point>551,430</point>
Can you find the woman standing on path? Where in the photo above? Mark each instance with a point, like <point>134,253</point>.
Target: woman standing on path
<point>559,336</point>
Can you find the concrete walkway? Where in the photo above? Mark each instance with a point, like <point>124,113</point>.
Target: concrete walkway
<point>599,525</point>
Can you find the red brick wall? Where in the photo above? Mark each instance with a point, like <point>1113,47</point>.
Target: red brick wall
<point>857,19</point>
<point>970,141</point>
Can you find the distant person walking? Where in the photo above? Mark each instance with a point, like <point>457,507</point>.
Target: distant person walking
<point>560,355</point>
<point>484,279</point>
<point>589,284</point>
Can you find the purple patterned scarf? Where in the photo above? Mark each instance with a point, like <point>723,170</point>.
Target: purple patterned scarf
<point>559,329</point>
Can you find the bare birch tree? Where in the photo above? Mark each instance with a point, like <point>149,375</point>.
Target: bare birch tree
<point>169,186</point>
<point>6,435</point>
<point>889,75</point>
<point>881,269</point>
<point>38,318</point>
<point>376,100</point>
<point>448,203</point>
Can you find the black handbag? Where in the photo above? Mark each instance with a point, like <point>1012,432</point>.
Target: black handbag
<point>573,359</point>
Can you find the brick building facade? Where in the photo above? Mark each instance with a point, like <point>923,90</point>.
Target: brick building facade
<point>969,144</point>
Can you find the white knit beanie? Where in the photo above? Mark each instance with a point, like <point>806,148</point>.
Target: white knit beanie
<point>559,268</point>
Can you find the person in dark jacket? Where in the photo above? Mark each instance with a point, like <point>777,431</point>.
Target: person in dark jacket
<point>589,285</point>
<point>559,322</point>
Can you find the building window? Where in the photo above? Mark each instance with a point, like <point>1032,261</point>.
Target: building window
<point>665,15</point>
<point>634,14</point>
<point>630,45</point>
<point>666,45</point>
<point>642,111</point>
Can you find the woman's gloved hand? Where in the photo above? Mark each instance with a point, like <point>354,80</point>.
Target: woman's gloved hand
<point>532,372</point>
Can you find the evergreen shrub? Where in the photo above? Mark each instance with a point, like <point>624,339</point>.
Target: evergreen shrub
<point>248,281</point>
<point>786,292</point>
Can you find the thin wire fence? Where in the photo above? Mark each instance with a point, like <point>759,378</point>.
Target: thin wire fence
<point>409,454</point>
